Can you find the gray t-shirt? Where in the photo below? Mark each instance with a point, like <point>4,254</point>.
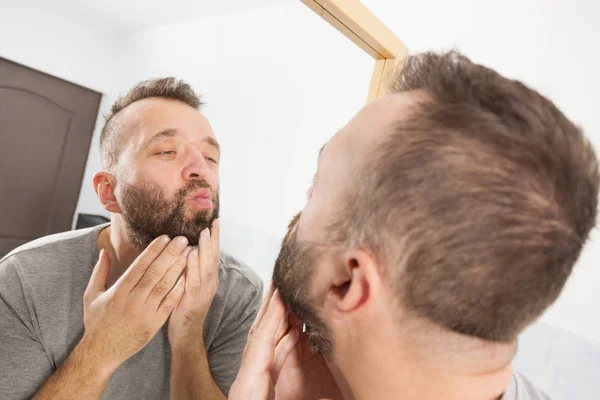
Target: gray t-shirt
<point>41,320</point>
<point>522,389</point>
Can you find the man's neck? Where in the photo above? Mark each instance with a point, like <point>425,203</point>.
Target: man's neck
<point>391,368</point>
<point>113,239</point>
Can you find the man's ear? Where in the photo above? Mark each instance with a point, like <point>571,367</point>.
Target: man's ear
<point>104,186</point>
<point>354,284</point>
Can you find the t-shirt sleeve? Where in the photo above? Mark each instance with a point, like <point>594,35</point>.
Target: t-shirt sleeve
<point>24,364</point>
<point>225,352</point>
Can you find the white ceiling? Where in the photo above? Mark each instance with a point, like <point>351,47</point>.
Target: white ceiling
<point>126,16</point>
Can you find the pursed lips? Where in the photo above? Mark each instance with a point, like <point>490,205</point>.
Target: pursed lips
<point>202,198</point>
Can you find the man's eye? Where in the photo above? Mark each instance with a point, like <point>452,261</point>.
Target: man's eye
<point>167,153</point>
<point>210,159</point>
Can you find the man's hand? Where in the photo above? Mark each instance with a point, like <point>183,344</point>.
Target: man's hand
<point>120,321</point>
<point>278,362</point>
<point>186,324</point>
<point>303,375</point>
<point>268,333</point>
<point>190,373</point>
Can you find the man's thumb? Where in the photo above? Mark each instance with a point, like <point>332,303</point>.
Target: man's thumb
<point>97,284</point>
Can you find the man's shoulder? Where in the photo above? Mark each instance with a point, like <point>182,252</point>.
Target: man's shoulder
<point>522,388</point>
<point>55,248</point>
<point>54,242</point>
<point>239,272</point>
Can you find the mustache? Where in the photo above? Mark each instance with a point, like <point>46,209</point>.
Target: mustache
<point>194,185</point>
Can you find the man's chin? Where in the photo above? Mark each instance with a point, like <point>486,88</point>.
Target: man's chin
<point>193,226</point>
<point>195,215</point>
<point>193,212</point>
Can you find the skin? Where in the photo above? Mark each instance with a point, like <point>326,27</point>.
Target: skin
<point>132,292</point>
<point>374,356</point>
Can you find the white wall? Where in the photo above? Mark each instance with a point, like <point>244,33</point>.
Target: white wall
<point>550,45</point>
<point>54,40</point>
<point>562,364</point>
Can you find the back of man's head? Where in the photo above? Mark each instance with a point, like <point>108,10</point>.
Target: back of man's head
<point>480,201</point>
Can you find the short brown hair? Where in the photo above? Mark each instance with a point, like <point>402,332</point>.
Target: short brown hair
<point>479,202</point>
<point>168,88</point>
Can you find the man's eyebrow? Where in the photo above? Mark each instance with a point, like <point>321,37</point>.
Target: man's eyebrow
<point>167,133</point>
<point>161,135</point>
<point>213,142</point>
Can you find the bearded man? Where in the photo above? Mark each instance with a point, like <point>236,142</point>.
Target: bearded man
<point>443,220</point>
<point>145,307</point>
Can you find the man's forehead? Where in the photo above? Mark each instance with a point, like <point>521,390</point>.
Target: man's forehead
<point>146,117</point>
<point>157,110</point>
<point>377,116</point>
<point>377,119</point>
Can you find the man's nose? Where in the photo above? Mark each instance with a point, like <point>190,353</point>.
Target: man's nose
<point>195,167</point>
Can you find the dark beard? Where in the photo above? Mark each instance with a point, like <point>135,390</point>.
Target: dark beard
<point>291,276</point>
<point>148,213</point>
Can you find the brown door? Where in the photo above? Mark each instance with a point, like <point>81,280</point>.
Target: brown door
<point>46,127</point>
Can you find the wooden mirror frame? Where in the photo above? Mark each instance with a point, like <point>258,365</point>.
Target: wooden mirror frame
<point>355,21</point>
